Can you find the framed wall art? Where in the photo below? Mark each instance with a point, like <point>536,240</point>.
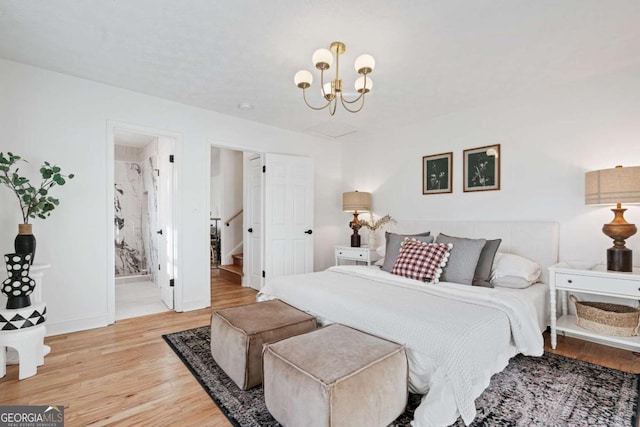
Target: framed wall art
<point>437,173</point>
<point>482,168</point>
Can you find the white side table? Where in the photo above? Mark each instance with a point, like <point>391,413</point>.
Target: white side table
<point>36,272</point>
<point>364,254</point>
<point>22,333</point>
<point>580,277</point>
<point>28,343</point>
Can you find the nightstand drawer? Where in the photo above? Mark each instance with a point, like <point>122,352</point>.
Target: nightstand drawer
<point>618,286</point>
<point>356,253</point>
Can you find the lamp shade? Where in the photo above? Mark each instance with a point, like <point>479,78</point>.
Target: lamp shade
<point>611,186</point>
<point>322,59</point>
<point>360,85</point>
<point>364,64</point>
<point>356,201</point>
<point>303,79</point>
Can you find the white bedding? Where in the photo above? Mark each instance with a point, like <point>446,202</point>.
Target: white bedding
<point>456,336</point>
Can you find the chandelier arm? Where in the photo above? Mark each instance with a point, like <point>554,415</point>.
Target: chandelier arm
<point>304,96</point>
<point>344,104</point>
<point>335,104</point>
<point>353,101</point>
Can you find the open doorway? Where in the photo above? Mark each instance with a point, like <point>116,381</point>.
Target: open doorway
<point>265,206</point>
<point>142,215</point>
<point>235,215</point>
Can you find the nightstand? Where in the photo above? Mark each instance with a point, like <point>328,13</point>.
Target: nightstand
<point>363,254</point>
<point>582,278</point>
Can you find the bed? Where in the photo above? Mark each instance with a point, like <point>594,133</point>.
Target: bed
<point>457,336</point>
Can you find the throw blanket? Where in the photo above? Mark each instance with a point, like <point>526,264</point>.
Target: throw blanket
<point>456,336</point>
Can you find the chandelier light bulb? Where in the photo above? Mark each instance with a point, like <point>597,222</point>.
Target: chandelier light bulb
<point>360,85</point>
<point>303,79</point>
<point>322,59</point>
<point>365,64</point>
<point>328,95</point>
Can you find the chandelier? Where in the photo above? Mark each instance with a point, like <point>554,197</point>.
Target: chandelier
<point>332,90</point>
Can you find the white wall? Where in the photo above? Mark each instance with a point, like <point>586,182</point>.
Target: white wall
<point>215,190</point>
<point>548,142</point>
<point>62,119</point>
<point>231,166</point>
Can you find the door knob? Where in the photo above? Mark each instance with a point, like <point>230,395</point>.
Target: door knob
<point>159,232</point>
<point>250,230</point>
<point>308,231</point>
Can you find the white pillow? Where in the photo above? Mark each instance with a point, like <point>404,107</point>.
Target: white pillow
<point>511,282</point>
<point>514,271</point>
<point>381,250</point>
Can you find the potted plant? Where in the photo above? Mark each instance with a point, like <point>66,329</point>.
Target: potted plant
<point>35,202</point>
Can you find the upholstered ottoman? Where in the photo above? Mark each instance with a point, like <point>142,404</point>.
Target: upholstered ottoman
<point>335,376</point>
<point>238,334</point>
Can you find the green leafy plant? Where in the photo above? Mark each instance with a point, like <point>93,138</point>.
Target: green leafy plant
<point>35,202</point>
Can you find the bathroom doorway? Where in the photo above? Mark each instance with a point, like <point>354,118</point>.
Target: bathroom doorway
<point>143,243</point>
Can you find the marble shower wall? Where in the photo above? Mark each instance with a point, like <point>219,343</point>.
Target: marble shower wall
<point>150,214</point>
<point>128,197</point>
<point>136,217</point>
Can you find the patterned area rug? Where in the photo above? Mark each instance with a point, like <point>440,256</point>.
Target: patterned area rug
<point>532,391</point>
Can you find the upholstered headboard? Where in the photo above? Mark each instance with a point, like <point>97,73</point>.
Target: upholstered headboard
<point>537,241</point>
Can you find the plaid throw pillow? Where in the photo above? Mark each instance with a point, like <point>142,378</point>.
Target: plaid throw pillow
<point>421,261</point>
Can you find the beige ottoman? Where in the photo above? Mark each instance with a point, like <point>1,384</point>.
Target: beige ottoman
<point>238,334</point>
<point>335,376</point>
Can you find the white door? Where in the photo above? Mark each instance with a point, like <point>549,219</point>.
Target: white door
<point>165,220</point>
<point>288,215</point>
<point>253,227</point>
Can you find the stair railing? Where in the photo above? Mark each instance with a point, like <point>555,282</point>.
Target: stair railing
<point>234,216</point>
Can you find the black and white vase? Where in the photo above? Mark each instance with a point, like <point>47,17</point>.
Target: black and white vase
<point>18,286</point>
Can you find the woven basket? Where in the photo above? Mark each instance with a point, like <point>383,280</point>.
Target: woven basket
<point>608,319</point>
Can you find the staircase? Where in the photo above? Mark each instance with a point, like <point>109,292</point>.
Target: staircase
<point>233,272</point>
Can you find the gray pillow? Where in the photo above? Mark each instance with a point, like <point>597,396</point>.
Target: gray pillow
<point>485,262</point>
<point>392,248</point>
<point>463,258</point>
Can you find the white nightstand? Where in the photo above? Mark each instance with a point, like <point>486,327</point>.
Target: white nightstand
<point>363,254</point>
<point>579,277</point>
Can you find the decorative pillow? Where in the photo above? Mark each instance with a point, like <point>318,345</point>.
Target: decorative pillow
<point>421,261</point>
<point>510,266</point>
<point>482,275</point>
<point>393,243</point>
<point>463,260</point>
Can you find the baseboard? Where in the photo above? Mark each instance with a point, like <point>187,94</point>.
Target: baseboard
<point>91,322</point>
<point>76,324</point>
<point>195,305</point>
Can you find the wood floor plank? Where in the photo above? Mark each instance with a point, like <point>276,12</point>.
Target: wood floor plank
<point>126,375</point>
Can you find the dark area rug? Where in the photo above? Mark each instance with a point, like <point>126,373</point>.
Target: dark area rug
<point>532,391</point>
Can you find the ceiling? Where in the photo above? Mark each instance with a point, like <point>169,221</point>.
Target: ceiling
<point>432,57</point>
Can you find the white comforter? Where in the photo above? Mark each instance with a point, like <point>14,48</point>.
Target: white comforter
<point>456,336</point>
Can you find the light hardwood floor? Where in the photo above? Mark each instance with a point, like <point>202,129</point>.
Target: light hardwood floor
<point>125,374</point>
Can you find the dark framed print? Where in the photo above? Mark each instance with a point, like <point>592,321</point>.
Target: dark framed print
<point>437,173</point>
<point>482,168</point>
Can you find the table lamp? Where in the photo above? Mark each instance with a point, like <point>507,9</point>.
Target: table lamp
<point>356,202</point>
<point>608,186</point>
